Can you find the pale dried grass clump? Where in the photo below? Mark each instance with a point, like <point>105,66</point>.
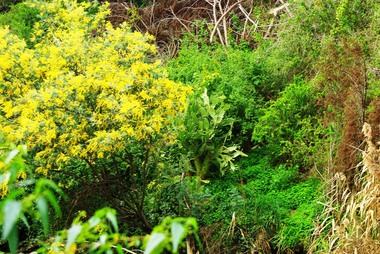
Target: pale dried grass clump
<point>350,221</point>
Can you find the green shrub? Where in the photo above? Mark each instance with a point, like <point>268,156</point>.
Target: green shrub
<point>21,19</point>
<point>263,198</point>
<point>204,136</point>
<point>296,229</point>
<point>273,208</point>
<point>232,72</point>
<point>5,5</point>
<point>290,127</point>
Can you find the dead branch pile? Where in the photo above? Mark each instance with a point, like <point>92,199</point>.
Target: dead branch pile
<point>166,20</point>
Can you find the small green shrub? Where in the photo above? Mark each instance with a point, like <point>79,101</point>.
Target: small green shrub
<point>274,207</point>
<point>204,136</point>
<point>290,126</point>
<point>296,229</point>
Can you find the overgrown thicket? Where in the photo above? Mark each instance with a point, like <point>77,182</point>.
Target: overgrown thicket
<point>238,127</point>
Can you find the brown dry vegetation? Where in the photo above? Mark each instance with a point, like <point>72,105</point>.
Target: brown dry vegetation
<point>345,87</point>
<point>351,217</point>
<point>166,20</point>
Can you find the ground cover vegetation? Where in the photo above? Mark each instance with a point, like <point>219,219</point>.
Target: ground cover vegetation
<point>211,126</point>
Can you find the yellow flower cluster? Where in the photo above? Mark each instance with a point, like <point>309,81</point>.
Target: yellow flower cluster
<point>85,89</point>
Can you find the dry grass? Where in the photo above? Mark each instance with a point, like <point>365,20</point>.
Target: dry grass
<point>217,239</point>
<point>350,222</point>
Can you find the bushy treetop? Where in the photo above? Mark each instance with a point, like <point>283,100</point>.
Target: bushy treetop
<point>85,89</point>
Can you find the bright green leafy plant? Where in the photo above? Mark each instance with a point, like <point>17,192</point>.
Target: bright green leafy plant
<point>169,235</point>
<point>23,196</point>
<point>205,134</point>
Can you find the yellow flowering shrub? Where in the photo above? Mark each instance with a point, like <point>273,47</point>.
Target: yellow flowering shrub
<point>85,89</point>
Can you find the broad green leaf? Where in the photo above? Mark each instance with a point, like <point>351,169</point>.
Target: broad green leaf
<point>112,218</point>
<point>206,123</point>
<point>239,153</point>
<point>200,124</point>
<point>72,235</point>
<point>205,98</point>
<point>46,182</point>
<point>94,221</point>
<point>11,155</point>
<point>203,111</point>
<point>154,241</point>
<point>103,239</point>
<point>177,231</point>
<point>43,208</point>
<point>12,210</point>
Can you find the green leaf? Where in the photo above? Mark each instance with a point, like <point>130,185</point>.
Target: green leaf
<point>154,242</point>
<point>94,221</point>
<point>72,235</point>
<point>11,155</point>
<point>12,210</point>
<point>13,240</point>
<point>192,222</point>
<point>51,184</point>
<point>206,124</point>
<point>177,231</point>
<point>112,218</point>
<point>26,223</point>
<point>53,201</point>
<point>205,98</point>
<point>43,208</point>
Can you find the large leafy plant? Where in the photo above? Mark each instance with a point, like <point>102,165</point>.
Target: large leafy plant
<point>204,136</point>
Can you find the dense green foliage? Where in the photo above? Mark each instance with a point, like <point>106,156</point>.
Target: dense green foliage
<point>21,19</point>
<point>289,127</point>
<point>235,73</point>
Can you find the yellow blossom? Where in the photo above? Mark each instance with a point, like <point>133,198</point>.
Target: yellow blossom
<point>86,89</point>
